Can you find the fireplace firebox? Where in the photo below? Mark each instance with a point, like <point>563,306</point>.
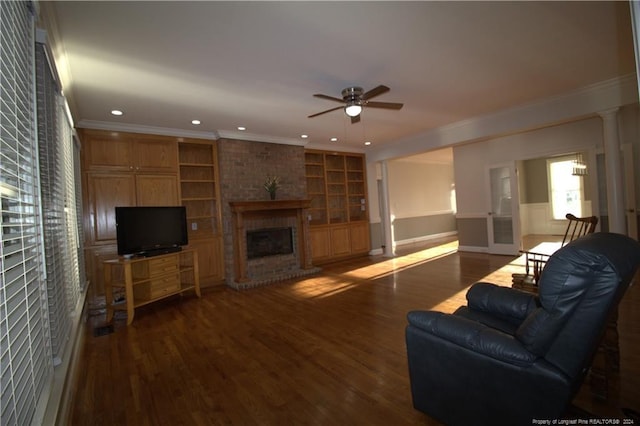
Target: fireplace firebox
<point>269,242</point>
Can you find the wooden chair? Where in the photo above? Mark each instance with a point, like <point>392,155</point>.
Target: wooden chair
<point>535,261</point>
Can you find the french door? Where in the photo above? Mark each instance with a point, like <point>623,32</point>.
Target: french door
<point>503,217</point>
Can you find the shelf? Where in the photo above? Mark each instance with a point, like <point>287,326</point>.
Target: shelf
<point>336,184</point>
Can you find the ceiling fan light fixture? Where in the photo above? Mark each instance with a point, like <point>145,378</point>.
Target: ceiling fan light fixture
<point>353,109</point>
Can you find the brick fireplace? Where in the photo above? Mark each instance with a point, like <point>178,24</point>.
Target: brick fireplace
<point>264,215</point>
<point>244,167</point>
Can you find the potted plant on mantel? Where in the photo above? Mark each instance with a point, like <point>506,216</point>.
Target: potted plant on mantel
<point>271,185</point>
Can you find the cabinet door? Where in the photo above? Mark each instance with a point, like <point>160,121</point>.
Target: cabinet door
<point>156,155</point>
<point>359,233</point>
<point>320,243</point>
<point>106,152</point>
<point>210,260</point>
<point>106,191</point>
<point>156,190</point>
<point>340,240</point>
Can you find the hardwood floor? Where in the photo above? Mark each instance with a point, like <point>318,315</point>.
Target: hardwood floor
<point>327,349</point>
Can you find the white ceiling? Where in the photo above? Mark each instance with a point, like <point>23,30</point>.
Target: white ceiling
<point>257,64</point>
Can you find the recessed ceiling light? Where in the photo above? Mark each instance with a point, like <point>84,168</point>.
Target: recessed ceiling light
<point>116,112</point>
<point>367,143</point>
<point>304,136</point>
<point>242,128</point>
<point>334,139</point>
<point>195,122</point>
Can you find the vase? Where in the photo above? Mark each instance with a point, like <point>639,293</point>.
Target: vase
<point>272,195</point>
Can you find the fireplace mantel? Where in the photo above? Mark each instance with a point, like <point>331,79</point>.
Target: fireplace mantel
<point>266,208</point>
<point>253,206</point>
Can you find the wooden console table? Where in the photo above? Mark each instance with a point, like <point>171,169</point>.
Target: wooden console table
<point>148,279</point>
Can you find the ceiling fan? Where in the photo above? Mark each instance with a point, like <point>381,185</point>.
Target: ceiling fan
<point>354,99</point>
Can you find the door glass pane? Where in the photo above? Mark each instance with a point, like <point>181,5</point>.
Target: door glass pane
<point>501,205</point>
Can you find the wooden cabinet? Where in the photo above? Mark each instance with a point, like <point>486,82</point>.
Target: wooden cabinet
<point>104,192</point>
<point>125,169</point>
<point>122,169</point>
<point>156,190</point>
<point>199,188</point>
<point>145,280</point>
<point>121,151</point>
<point>336,185</point>
<point>211,259</point>
<point>331,242</point>
<point>359,237</point>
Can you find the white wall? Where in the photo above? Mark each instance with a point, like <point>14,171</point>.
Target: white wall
<point>419,189</point>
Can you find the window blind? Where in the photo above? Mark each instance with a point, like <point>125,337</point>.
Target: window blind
<point>25,354</point>
<point>52,178</point>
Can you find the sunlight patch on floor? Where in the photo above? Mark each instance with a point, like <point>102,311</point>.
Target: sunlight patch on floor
<point>319,287</point>
<point>402,262</point>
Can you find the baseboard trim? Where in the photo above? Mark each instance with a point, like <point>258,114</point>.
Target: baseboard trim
<point>474,249</point>
<point>426,238</point>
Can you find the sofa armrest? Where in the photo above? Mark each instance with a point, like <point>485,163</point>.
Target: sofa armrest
<point>473,336</point>
<point>503,302</point>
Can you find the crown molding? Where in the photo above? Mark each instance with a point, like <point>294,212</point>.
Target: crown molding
<point>152,130</point>
<point>254,137</point>
<point>334,146</point>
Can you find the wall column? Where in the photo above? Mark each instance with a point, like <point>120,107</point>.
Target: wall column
<point>387,231</point>
<point>615,188</point>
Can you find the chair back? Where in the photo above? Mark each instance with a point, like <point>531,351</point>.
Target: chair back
<point>578,227</point>
<point>580,286</point>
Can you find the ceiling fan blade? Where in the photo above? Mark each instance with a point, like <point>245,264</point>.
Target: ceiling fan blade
<point>376,91</point>
<point>385,105</point>
<point>324,112</point>
<point>330,98</point>
<point>355,119</point>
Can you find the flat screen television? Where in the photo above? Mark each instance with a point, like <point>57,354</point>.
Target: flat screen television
<point>149,231</point>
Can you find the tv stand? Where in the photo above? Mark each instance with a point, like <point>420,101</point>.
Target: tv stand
<point>148,279</point>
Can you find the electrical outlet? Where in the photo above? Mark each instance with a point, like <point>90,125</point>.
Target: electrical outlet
<point>194,226</point>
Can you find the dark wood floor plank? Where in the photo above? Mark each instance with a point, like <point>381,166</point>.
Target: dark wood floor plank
<point>326,349</point>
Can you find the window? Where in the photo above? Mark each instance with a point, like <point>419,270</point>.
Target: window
<point>25,354</point>
<point>566,193</point>
<point>40,287</point>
